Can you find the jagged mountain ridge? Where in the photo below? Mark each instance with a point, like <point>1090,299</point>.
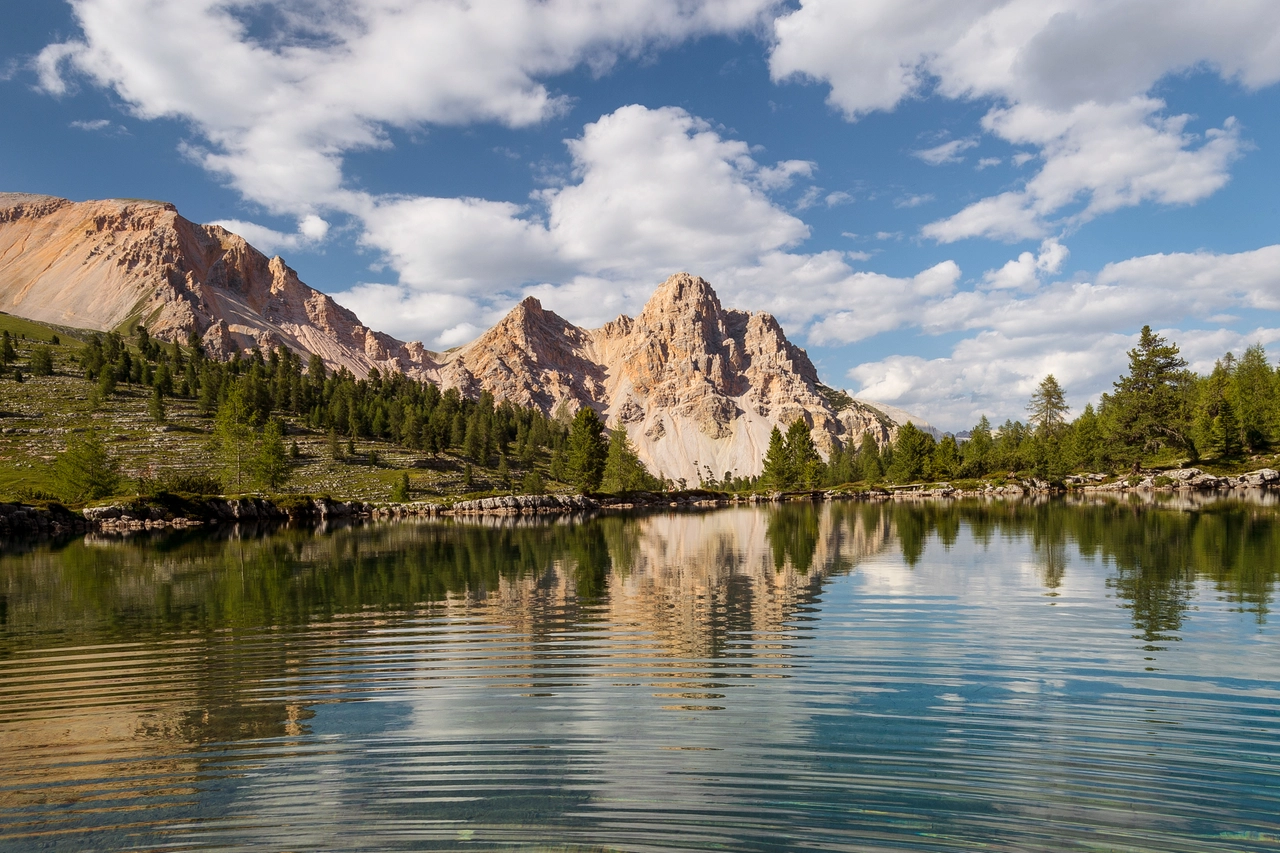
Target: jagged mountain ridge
<point>116,263</point>
<point>697,386</point>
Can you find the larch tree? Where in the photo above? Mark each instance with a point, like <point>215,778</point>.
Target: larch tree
<point>1047,409</point>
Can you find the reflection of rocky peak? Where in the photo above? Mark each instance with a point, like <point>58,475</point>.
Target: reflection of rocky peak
<point>116,263</point>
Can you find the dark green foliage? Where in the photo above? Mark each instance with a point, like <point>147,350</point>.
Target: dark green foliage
<point>777,470</point>
<point>400,491</point>
<point>586,451</point>
<point>1150,408</point>
<point>155,408</point>
<point>270,461</point>
<point>1253,398</point>
<point>623,470</point>
<point>8,355</point>
<point>1048,406</point>
<point>41,361</point>
<point>869,464</point>
<point>912,451</point>
<point>532,483</point>
<point>85,471</point>
<point>803,461</point>
<point>946,459</point>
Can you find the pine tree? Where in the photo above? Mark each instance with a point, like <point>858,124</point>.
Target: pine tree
<point>869,466</point>
<point>586,450</point>
<point>1224,435</point>
<point>504,472</point>
<point>777,467</point>
<point>1150,408</point>
<point>911,454</point>
<point>802,456</point>
<point>623,470</point>
<point>1251,393</point>
<point>946,458</point>
<point>155,408</point>
<point>8,355</point>
<point>400,492</point>
<point>85,470</point>
<point>233,428</point>
<point>977,451</point>
<point>532,483</point>
<point>41,361</point>
<point>271,462</point>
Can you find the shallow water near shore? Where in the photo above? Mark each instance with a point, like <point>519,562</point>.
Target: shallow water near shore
<point>1008,676</point>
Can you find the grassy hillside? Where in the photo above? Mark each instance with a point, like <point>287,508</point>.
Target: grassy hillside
<point>37,415</point>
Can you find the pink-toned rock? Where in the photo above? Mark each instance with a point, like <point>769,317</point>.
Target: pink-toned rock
<point>114,264</point>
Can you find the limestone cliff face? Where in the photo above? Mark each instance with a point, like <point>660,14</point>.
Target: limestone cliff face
<point>116,263</point>
<point>698,387</point>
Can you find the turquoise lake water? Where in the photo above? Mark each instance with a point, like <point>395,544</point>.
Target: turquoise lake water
<point>871,677</point>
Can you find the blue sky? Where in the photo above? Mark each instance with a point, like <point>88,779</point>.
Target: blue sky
<point>942,201</point>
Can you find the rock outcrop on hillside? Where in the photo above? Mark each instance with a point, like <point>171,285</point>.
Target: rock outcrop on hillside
<point>116,263</point>
<point>698,386</point>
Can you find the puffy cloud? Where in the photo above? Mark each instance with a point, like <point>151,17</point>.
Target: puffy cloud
<point>311,229</point>
<point>651,192</point>
<point>1069,77</point>
<point>1026,270</point>
<point>882,303</point>
<point>1114,156</point>
<point>281,90</point>
<point>1077,330</point>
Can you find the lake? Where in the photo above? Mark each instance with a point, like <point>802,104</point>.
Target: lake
<point>1007,676</point>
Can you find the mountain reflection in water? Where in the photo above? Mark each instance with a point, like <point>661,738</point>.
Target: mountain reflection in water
<point>674,680</point>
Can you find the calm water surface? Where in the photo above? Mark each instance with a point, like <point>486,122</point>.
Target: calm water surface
<point>1009,677</point>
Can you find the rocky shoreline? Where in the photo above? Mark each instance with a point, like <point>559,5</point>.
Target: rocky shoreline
<point>22,520</point>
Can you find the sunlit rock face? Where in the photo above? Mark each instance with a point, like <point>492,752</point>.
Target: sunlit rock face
<point>116,263</point>
<point>698,386</point>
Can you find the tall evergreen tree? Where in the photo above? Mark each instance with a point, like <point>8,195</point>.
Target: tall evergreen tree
<point>777,466</point>
<point>911,454</point>
<point>271,459</point>
<point>978,450</point>
<point>1252,397</point>
<point>870,468</point>
<point>1047,409</point>
<point>802,456</point>
<point>85,470</point>
<point>1150,408</point>
<point>623,470</point>
<point>586,450</point>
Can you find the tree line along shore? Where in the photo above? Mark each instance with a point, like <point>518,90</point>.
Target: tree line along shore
<point>89,417</point>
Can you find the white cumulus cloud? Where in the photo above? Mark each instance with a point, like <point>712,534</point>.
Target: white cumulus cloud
<point>1071,78</point>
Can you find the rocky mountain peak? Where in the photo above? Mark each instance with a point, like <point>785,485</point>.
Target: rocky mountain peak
<point>119,262</point>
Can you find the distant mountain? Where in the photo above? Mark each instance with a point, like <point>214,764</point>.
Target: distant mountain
<point>698,387</point>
